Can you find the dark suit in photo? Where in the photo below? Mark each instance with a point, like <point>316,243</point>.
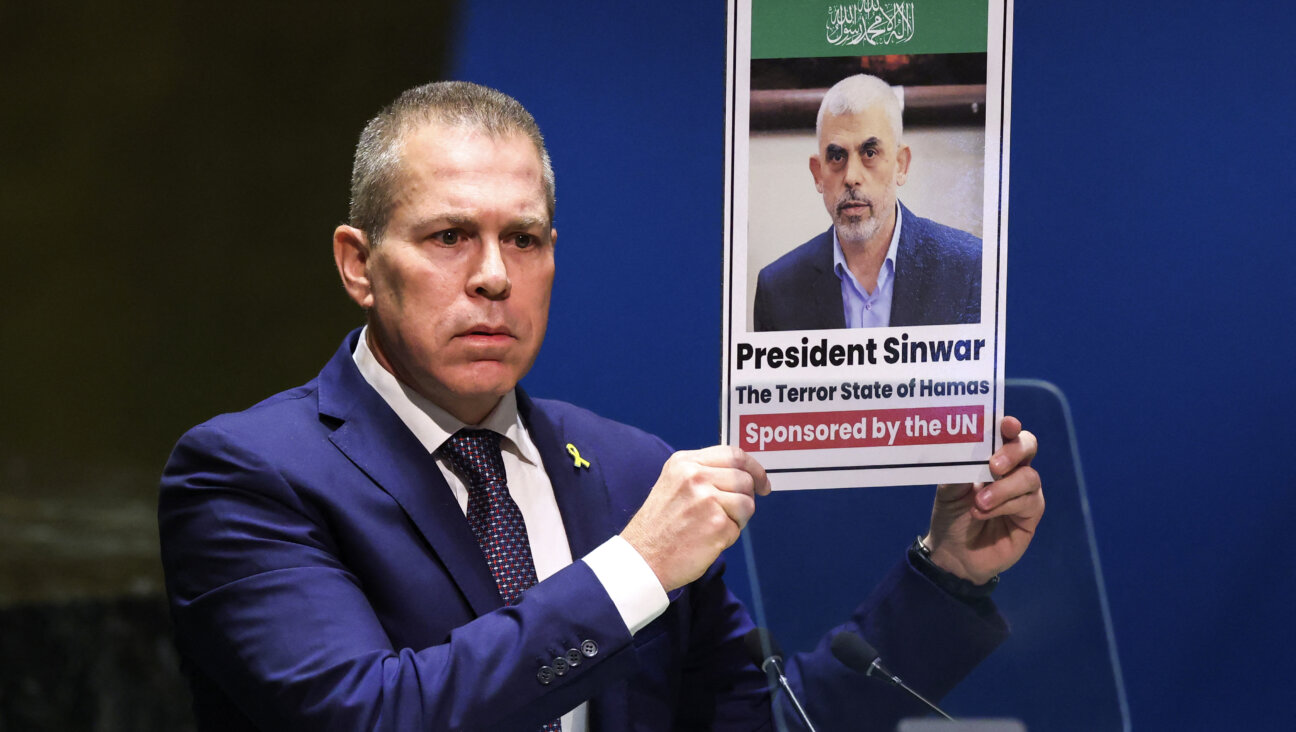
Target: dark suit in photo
<point>937,281</point>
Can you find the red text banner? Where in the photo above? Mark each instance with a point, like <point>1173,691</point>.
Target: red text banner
<point>862,428</point>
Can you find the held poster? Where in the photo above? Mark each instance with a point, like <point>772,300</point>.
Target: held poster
<point>865,244</point>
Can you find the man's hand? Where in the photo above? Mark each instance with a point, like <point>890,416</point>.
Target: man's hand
<point>697,509</point>
<point>981,529</point>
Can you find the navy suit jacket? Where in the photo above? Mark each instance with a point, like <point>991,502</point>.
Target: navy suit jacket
<point>322,576</point>
<point>937,281</point>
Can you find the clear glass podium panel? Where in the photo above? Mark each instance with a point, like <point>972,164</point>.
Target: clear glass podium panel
<point>811,556</point>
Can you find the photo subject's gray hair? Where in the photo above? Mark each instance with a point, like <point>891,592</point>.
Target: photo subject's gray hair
<point>378,165</point>
<point>854,94</point>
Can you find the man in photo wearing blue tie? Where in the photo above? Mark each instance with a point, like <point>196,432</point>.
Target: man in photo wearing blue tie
<point>411,542</point>
<point>879,264</point>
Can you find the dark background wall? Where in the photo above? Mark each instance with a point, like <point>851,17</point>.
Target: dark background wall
<point>170,175</point>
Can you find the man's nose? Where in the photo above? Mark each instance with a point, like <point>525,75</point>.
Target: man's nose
<point>854,171</point>
<point>489,277</point>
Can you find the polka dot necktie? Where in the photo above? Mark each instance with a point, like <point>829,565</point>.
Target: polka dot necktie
<point>494,518</point>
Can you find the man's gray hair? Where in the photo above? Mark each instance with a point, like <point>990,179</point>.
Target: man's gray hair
<point>854,94</point>
<point>377,170</point>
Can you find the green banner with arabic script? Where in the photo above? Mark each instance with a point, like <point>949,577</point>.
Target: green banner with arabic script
<point>816,28</point>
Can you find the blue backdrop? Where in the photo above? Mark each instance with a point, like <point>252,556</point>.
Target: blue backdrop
<point>1149,280</point>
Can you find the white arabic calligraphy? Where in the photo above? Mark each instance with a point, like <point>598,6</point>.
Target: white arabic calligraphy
<point>870,21</point>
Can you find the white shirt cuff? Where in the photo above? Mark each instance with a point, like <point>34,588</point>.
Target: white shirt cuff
<point>629,581</point>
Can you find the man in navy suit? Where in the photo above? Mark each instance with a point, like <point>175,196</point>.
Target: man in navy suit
<point>326,558</point>
<point>879,264</point>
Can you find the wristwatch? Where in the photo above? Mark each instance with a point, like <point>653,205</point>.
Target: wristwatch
<point>972,594</point>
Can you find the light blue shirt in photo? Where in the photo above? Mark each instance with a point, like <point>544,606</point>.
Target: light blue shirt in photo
<point>863,309</point>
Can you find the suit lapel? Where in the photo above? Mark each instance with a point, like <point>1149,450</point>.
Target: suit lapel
<point>825,289</point>
<point>374,438</point>
<point>580,490</point>
<point>909,294</point>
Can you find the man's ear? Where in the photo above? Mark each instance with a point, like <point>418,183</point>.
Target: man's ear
<point>814,170</point>
<point>902,165</point>
<point>351,254</point>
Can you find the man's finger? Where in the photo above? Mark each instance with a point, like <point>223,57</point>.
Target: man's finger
<point>725,456</point>
<point>739,507</point>
<point>1014,453</point>
<point>1029,506</point>
<point>1023,481</point>
<point>1009,426</point>
<point>730,480</point>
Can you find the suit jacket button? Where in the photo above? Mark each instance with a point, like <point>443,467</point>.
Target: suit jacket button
<point>589,648</point>
<point>560,665</point>
<point>545,675</point>
<point>573,657</point>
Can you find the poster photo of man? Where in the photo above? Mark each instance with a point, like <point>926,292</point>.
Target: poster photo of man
<point>866,189</point>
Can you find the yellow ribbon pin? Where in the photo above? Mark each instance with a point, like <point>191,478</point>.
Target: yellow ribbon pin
<point>577,460</point>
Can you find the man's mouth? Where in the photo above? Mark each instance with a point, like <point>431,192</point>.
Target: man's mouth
<point>853,207</point>
<point>489,333</point>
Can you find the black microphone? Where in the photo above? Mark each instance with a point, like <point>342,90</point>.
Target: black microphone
<point>765,653</point>
<point>856,654</point>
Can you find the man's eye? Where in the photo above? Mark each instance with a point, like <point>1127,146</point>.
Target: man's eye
<point>870,153</point>
<point>836,156</point>
<point>449,237</point>
<point>525,241</point>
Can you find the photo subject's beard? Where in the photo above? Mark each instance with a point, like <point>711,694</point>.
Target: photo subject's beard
<point>856,228</point>
<point>859,229</point>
